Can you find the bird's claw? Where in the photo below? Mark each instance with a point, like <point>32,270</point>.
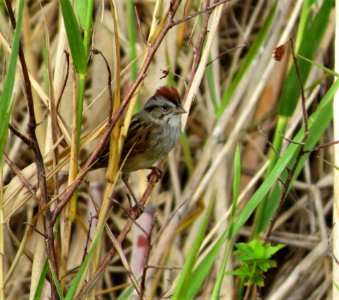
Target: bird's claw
<point>137,208</point>
<point>156,174</point>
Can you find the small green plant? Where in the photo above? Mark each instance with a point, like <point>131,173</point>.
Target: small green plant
<point>254,258</point>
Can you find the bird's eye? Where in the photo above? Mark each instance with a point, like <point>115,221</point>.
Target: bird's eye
<point>165,107</point>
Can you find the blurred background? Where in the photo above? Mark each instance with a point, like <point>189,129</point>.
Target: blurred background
<point>250,73</point>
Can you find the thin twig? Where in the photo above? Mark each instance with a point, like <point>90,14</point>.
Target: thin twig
<point>292,142</point>
<point>109,80</point>
<point>67,194</point>
<point>149,246</point>
<point>207,9</point>
<point>163,267</point>
<point>300,153</point>
<point>226,52</point>
<point>36,230</point>
<point>64,82</point>
<point>22,137</point>
<point>139,25</point>
<point>322,146</point>
<point>303,98</point>
<point>169,219</point>
<point>268,141</point>
<point>41,175</point>
<point>166,72</point>
<point>58,102</point>
<point>88,237</point>
<point>18,173</point>
<point>200,43</point>
<point>283,196</point>
<point>127,213</point>
<point>134,214</point>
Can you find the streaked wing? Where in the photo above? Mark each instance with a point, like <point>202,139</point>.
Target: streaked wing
<point>138,136</point>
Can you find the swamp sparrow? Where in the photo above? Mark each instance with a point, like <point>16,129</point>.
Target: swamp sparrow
<point>153,132</point>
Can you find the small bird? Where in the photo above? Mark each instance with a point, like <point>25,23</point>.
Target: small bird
<point>153,133</point>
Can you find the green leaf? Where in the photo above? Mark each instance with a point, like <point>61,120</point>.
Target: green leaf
<point>127,293</point>
<point>74,37</point>
<point>185,280</point>
<point>132,50</point>
<point>310,42</point>
<point>76,281</point>
<point>248,60</point>
<point>41,282</point>
<point>236,188</point>
<point>304,21</point>
<point>254,258</point>
<point>236,180</point>
<point>201,271</point>
<point>269,251</point>
<point>7,92</point>
<point>317,123</point>
<point>84,12</point>
<point>80,9</point>
<point>321,67</point>
<point>56,281</point>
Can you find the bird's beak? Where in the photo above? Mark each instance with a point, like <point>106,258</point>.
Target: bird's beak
<point>179,110</point>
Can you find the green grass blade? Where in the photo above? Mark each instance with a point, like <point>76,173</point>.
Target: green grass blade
<point>248,60</point>
<point>185,282</point>
<point>236,182</point>
<point>132,46</point>
<point>321,67</point>
<point>304,19</point>
<point>84,12</point>
<point>236,188</point>
<point>310,43</point>
<point>7,92</point>
<point>80,105</point>
<point>318,122</point>
<point>132,50</point>
<point>74,37</point>
<point>127,293</point>
<point>202,270</point>
<point>82,270</point>
<point>316,132</point>
<point>267,206</point>
<point>41,282</point>
<point>56,281</point>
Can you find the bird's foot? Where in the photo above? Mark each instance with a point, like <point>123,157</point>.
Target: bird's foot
<point>135,206</point>
<point>156,174</point>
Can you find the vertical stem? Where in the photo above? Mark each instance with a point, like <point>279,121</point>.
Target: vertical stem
<point>40,167</point>
<point>132,52</point>
<point>88,25</point>
<point>2,248</point>
<point>335,280</point>
<point>80,105</point>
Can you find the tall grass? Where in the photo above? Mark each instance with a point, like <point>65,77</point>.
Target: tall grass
<point>212,193</point>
